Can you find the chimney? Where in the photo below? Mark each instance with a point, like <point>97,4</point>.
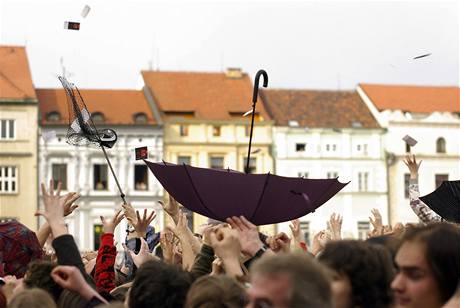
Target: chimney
<point>233,72</point>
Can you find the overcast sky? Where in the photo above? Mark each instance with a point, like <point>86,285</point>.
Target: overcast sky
<point>312,45</point>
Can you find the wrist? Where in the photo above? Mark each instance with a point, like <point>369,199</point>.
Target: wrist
<point>254,248</point>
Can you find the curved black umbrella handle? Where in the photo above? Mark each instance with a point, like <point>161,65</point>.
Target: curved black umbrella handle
<point>254,101</point>
<point>256,84</point>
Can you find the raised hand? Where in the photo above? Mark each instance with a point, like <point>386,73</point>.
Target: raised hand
<point>54,204</point>
<point>172,208</point>
<point>247,233</point>
<point>319,242</point>
<point>279,243</point>
<point>130,213</point>
<point>227,247</point>
<point>295,230</point>
<point>141,223</point>
<point>70,277</point>
<point>69,207</point>
<point>144,254</point>
<point>109,225</point>
<point>413,166</point>
<point>376,222</point>
<point>167,245</point>
<point>335,226</point>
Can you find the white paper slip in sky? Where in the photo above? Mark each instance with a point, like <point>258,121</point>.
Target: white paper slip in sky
<point>85,11</point>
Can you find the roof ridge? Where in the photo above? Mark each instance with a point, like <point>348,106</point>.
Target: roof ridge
<point>12,83</point>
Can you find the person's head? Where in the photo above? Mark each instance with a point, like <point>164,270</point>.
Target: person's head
<point>215,292</point>
<point>428,263</point>
<point>289,280</point>
<point>32,298</point>
<point>454,301</point>
<point>158,284</point>
<point>361,273</point>
<point>38,275</point>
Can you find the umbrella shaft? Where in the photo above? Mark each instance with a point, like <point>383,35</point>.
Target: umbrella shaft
<point>122,195</point>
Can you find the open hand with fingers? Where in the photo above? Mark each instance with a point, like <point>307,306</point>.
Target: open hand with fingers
<point>69,205</point>
<point>141,223</point>
<point>335,226</point>
<point>247,233</point>
<point>376,223</point>
<point>53,203</point>
<point>109,225</point>
<point>295,230</point>
<point>143,256</point>
<point>413,166</point>
<point>172,208</point>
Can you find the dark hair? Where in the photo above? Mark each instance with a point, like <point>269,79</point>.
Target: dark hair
<point>442,248</point>
<point>158,284</point>
<point>216,292</point>
<point>38,275</point>
<point>309,280</point>
<point>369,268</point>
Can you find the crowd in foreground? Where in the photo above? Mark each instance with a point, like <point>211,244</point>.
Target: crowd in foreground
<point>230,264</point>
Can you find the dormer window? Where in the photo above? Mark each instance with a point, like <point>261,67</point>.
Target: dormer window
<point>98,117</point>
<point>53,116</point>
<point>140,118</point>
<point>441,145</point>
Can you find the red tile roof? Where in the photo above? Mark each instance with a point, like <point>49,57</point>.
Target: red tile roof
<point>15,78</point>
<point>117,106</point>
<point>211,96</point>
<point>418,99</point>
<point>335,109</point>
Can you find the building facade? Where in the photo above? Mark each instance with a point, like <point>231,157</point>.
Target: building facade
<point>331,134</point>
<point>83,169</point>
<point>18,138</point>
<point>430,115</point>
<point>204,125</point>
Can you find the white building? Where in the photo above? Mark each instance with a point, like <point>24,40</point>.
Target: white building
<point>328,134</point>
<point>430,115</point>
<point>84,169</point>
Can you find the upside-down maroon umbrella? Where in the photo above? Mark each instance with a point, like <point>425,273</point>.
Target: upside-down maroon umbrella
<point>445,201</point>
<point>261,198</point>
<point>18,247</point>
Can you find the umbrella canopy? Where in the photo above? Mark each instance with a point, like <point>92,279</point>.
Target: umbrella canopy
<point>18,247</point>
<point>445,201</point>
<point>261,198</point>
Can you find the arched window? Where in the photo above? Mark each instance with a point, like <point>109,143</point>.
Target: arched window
<point>98,117</point>
<point>441,145</point>
<point>53,116</point>
<point>140,118</point>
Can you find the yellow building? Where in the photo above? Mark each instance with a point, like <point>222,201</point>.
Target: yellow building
<point>202,114</point>
<point>18,138</point>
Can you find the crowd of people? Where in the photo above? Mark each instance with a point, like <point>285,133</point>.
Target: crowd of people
<point>231,264</point>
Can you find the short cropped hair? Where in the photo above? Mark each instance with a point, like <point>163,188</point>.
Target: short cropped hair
<point>215,292</point>
<point>158,284</point>
<point>310,281</point>
<point>32,298</point>
<point>38,275</point>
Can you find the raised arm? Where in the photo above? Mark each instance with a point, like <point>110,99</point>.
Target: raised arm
<point>424,213</point>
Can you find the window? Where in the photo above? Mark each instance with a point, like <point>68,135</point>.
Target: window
<point>183,130</point>
<point>331,147</point>
<point>8,179</point>
<point>100,177</point>
<point>53,116</point>
<point>406,185</point>
<point>183,160</point>
<point>407,148</point>
<point>363,178</point>
<point>302,175</point>
<point>328,147</point>
<point>300,147</point>
<point>332,174</point>
<point>216,162</point>
<point>252,164</point>
<point>439,178</point>
<point>140,118</point>
<point>363,228</point>
<point>362,148</point>
<point>59,173</point>
<point>305,230</point>
<point>441,145</point>
<point>7,129</point>
<point>141,177</point>
<point>97,231</point>
<point>216,131</point>
<point>98,117</point>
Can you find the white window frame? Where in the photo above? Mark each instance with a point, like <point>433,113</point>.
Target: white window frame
<point>9,179</point>
<point>363,181</point>
<point>303,174</point>
<point>362,232</point>
<point>8,129</point>
<point>332,174</point>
